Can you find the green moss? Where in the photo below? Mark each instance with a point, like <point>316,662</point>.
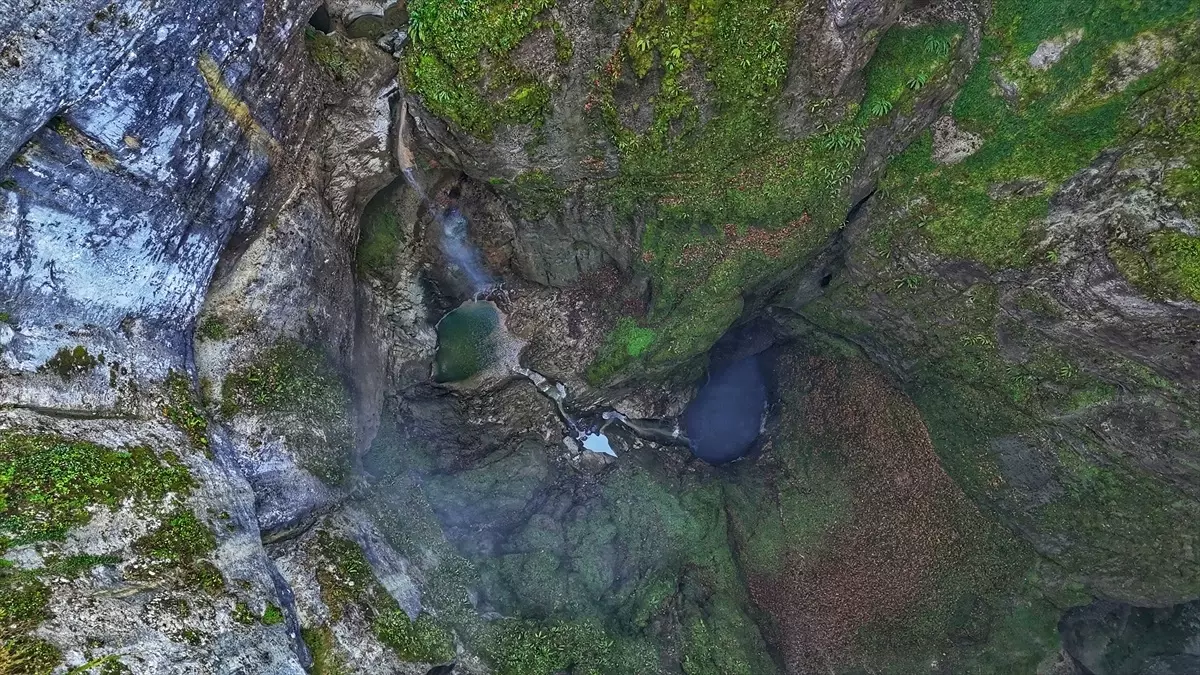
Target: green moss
<point>68,362</point>
<point>458,63</point>
<point>337,55</point>
<point>243,615</point>
<point>212,328</point>
<point>380,239</point>
<point>178,542</point>
<point>323,647</point>
<point>48,483</point>
<point>347,578</point>
<point>973,209</point>
<point>537,194</point>
<point>205,576</point>
<point>272,615</point>
<point>6,317</point>
<point>1166,266</point>
<point>563,48</point>
<point>467,340</point>
<point>422,640</point>
<point>623,344</point>
<point>295,382</point>
<point>1116,508</point>
<point>183,410</point>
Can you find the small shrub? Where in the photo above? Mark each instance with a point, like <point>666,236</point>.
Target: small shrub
<point>272,616</point>
<point>68,362</point>
<point>879,107</point>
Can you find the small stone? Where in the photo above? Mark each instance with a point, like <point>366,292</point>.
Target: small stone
<point>952,145</point>
<point>1050,52</point>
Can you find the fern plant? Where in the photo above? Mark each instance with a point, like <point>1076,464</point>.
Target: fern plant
<point>938,46</point>
<point>917,81</point>
<point>879,107</point>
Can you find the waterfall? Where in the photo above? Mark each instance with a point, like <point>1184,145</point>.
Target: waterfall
<point>455,240</point>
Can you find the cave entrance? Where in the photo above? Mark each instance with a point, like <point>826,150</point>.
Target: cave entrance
<point>321,19</point>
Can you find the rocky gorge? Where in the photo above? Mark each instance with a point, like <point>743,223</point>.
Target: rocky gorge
<point>724,337</point>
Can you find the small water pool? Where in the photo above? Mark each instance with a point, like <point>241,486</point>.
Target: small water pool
<point>468,340</point>
<point>724,419</point>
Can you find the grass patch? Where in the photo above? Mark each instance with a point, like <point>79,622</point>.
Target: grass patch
<point>47,483</point>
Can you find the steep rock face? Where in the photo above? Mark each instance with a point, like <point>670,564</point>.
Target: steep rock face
<point>1027,300</point>
<point>143,133</point>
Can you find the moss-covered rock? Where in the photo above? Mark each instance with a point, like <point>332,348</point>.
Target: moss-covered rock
<point>297,387</point>
<point>51,484</point>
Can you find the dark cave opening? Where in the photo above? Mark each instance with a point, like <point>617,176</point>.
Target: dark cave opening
<point>321,19</point>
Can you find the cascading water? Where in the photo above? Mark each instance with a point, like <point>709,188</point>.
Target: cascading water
<point>455,240</point>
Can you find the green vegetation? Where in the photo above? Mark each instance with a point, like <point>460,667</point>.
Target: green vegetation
<point>421,641</point>
<point>986,208</point>
<point>24,654</point>
<point>322,645</point>
<point>346,579</point>
<point>458,61</point>
<point>47,484</point>
<point>179,541</point>
<point>68,362</point>
<point>729,205</point>
<point>272,615</point>
<point>533,648</point>
<point>1167,268</point>
<point>298,385</point>
<point>23,600</point>
<point>205,576</point>
<point>380,239</point>
<point>242,614</point>
<point>467,342</point>
<point>537,194</point>
<point>1151,524</point>
<point>183,410</point>
<point>337,55</point>
<point>906,57</point>
<point>624,343</point>
<point>348,576</point>
<point>212,328</point>
<point>76,565</point>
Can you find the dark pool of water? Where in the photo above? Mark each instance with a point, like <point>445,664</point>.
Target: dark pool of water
<point>724,418</point>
